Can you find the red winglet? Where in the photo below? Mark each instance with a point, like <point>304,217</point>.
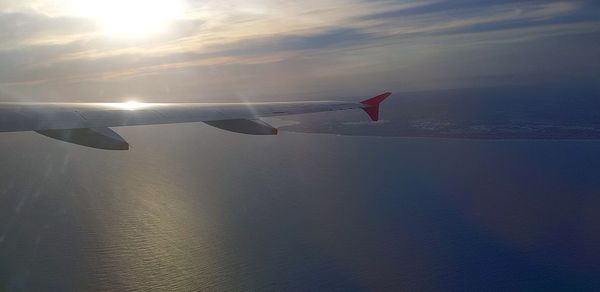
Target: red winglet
<point>372,105</point>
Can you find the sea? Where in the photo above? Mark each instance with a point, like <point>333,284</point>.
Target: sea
<point>194,208</point>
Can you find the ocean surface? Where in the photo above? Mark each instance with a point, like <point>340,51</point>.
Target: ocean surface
<point>190,207</point>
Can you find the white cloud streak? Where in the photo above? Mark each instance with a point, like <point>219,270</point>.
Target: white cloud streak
<point>46,44</point>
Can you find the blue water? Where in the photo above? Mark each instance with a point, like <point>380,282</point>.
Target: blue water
<point>191,208</point>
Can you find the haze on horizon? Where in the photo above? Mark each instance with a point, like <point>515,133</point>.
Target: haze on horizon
<point>166,50</point>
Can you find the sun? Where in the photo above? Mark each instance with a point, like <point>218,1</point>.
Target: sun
<point>131,18</point>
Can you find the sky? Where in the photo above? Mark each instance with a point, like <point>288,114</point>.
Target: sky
<point>237,50</point>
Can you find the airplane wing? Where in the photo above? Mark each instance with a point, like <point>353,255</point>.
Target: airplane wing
<point>88,124</point>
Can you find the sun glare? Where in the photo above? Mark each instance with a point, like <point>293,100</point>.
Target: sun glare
<point>130,105</point>
<point>131,18</point>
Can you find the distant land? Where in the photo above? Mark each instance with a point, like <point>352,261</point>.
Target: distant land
<point>534,112</point>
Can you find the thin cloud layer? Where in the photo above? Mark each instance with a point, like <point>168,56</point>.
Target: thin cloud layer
<point>248,49</point>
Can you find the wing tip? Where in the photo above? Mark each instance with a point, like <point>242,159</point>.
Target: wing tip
<point>375,101</point>
<point>372,105</point>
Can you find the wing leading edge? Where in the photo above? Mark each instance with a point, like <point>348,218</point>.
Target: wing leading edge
<point>88,124</point>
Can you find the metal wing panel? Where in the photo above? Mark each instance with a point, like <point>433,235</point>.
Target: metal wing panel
<point>55,116</point>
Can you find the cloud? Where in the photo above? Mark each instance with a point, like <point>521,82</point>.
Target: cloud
<point>344,41</point>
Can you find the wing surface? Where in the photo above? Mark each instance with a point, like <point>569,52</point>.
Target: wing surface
<point>55,116</point>
<point>88,123</point>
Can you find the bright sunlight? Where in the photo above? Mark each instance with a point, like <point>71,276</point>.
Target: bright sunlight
<point>131,18</point>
